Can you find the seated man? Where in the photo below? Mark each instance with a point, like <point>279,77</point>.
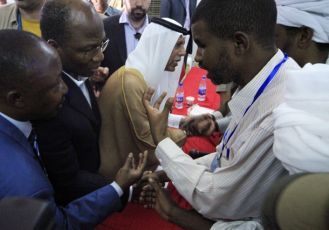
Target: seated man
<point>31,88</point>
<point>155,62</point>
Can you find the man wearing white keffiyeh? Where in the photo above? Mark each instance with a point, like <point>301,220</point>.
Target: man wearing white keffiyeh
<point>156,62</point>
<point>303,29</point>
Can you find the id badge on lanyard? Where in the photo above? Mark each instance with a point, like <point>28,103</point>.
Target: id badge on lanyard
<point>228,135</point>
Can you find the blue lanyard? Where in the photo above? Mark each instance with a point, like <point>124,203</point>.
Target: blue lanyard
<point>227,136</point>
<point>19,21</point>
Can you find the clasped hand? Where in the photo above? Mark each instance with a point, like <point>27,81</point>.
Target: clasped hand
<point>130,173</point>
<point>202,125</point>
<point>157,197</point>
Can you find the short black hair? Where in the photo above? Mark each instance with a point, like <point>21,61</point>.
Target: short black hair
<point>55,19</point>
<point>225,17</point>
<point>18,57</point>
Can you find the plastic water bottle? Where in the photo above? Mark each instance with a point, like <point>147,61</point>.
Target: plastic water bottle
<point>179,104</point>
<point>202,89</point>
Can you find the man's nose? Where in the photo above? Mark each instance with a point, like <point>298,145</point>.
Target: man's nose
<point>139,2</point>
<point>182,52</point>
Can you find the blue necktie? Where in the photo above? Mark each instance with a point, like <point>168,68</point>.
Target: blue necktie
<point>34,144</point>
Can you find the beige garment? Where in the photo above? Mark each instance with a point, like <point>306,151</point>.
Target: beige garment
<point>8,16</point>
<point>125,127</point>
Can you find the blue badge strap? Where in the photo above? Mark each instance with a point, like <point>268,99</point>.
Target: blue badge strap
<point>19,21</point>
<point>259,92</point>
<point>267,81</point>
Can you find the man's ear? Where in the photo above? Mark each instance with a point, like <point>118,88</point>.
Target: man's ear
<point>241,42</point>
<point>304,37</point>
<point>53,43</point>
<point>15,98</point>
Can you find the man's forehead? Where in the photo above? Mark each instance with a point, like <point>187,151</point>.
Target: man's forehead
<point>85,23</point>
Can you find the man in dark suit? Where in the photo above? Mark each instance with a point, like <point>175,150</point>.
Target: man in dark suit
<point>69,141</point>
<point>124,32</point>
<point>177,10</point>
<point>31,88</point>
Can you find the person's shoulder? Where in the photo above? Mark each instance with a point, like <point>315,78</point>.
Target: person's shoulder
<point>8,7</point>
<point>7,14</point>
<point>133,76</point>
<point>112,20</point>
<point>133,79</point>
<point>8,10</point>
<point>29,179</point>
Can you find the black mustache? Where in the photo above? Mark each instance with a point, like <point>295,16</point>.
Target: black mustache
<point>139,8</point>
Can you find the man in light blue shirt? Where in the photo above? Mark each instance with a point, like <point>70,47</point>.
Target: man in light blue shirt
<point>124,32</point>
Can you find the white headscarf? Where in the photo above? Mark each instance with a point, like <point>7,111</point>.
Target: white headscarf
<point>310,13</point>
<point>151,56</point>
<point>301,127</point>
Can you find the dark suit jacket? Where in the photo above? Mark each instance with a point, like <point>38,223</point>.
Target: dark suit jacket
<point>69,145</point>
<point>115,54</point>
<point>22,175</point>
<point>175,9</point>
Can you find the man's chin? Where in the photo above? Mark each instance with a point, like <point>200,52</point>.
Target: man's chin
<point>138,16</point>
<point>217,79</point>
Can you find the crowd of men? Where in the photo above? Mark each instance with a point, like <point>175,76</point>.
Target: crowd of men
<point>86,92</point>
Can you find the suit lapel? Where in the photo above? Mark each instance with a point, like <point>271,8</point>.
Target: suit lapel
<point>94,104</point>
<point>121,41</point>
<point>77,100</point>
<point>192,6</point>
<point>183,2</point>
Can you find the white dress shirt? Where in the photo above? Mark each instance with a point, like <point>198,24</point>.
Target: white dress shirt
<point>81,83</point>
<point>24,126</point>
<point>234,190</point>
<point>187,22</point>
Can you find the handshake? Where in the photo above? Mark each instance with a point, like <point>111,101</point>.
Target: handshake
<point>148,188</point>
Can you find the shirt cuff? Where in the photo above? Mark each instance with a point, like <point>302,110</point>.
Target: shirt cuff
<point>218,115</point>
<point>174,120</point>
<point>117,188</point>
<point>131,190</point>
<point>167,148</point>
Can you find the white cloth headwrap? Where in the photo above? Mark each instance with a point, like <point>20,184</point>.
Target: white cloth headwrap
<point>310,13</point>
<point>301,127</point>
<point>151,56</point>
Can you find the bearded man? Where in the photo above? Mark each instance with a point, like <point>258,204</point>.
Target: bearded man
<point>124,32</point>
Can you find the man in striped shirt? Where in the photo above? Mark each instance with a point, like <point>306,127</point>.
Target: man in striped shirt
<point>237,44</point>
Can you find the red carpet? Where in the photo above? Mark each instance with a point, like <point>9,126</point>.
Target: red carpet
<point>136,217</point>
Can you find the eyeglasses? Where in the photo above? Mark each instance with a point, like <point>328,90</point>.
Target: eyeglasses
<point>94,51</point>
<point>103,45</point>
